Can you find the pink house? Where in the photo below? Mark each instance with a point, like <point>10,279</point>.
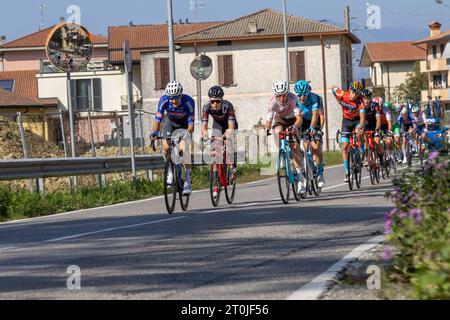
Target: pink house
<point>28,52</point>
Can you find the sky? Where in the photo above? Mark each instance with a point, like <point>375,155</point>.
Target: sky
<point>401,20</point>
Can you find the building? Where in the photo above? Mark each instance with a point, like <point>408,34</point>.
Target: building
<point>390,63</point>
<point>248,56</point>
<point>437,64</point>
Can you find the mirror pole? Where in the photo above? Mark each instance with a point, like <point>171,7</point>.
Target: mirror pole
<point>71,120</point>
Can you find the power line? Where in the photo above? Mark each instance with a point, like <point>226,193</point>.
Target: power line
<point>407,13</point>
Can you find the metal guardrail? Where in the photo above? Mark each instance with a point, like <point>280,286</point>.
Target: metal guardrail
<point>65,167</point>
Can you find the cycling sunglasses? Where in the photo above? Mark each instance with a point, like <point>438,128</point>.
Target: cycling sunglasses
<point>175,98</point>
<point>215,101</point>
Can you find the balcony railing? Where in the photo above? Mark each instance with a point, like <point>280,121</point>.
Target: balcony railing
<point>443,93</point>
<point>47,67</point>
<point>435,65</point>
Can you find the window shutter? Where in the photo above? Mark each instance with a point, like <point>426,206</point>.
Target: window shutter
<point>97,84</point>
<point>293,66</point>
<point>165,72</point>
<point>158,74</point>
<point>301,69</point>
<point>73,94</point>
<point>229,70</point>
<point>221,70</point>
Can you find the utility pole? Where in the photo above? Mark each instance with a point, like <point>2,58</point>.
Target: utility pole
<point>41,25</point>
<point>286,46</point>
<point>347,18</point>
<point>171,41</point>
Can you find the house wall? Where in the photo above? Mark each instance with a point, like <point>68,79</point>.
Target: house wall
<point>256,64</point>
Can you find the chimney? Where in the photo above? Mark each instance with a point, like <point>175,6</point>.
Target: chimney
<point>62,19</point>
<point>253,27</point>
<point>2,40</point>
<point>187,21</point>
<point>180,21</point>
<point>435,29</point>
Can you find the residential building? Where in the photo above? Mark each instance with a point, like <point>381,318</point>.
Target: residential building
<point>390,63</point>
<point>248,57</point>
<point>437,64</point>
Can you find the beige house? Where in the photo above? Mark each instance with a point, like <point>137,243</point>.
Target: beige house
<point>437,64</point>
<point>248,56</point>
<point>390,62</point>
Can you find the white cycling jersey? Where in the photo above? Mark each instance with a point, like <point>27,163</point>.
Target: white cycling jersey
<point>287,110</point>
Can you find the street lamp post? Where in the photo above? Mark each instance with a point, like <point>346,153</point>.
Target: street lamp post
<point>286,47</point>
<point>171,41</point>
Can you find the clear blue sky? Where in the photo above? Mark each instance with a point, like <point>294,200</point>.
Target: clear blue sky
<point>403,19</point>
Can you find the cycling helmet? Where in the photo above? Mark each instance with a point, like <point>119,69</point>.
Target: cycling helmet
<point>280,87</point>
<point>367,93</point>
<point>388,105</point>
<point>302,88</point>
<point>216,92</point>
<point>415,109</point>
<point>174,89</point>
<point>356,87</point>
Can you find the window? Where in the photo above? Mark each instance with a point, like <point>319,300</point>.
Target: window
<point>86,94</point>
<point>226,70</point>
<point>7,85</point>
<point>295,39</point>
<point>162,73</point>
<point>434,52</point>
<point>437,81</point>
<point>297,65</point>
<point>442,50</point>
<point>223,43</point>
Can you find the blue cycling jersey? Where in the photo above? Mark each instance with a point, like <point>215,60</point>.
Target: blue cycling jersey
<point>184,113</point>
<point>313,103</point>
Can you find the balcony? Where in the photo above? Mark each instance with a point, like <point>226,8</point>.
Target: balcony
<point>434,65</point>
<point>443,93</point>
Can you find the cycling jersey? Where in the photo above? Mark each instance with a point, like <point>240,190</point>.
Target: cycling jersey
<point>287,110</point>
<point>184,113</point>
<point>351,109</point>
<point>313,103</point>
<point>372,112</point>
<point>386,115</point>
<point>419,120</point>
<point>223,115</point>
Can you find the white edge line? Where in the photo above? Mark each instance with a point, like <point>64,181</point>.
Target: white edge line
<point>317,287</point>
<point>122,204</point>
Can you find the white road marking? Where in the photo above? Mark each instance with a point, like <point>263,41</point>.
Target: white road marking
<point>316,288</point>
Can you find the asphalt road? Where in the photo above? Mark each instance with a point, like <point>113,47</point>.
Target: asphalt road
<point>256,249</point>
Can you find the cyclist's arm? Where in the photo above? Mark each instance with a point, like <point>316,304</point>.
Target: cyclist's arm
<point>378,126</point>
<point>315,119</point>
<point>191,116</point>
<point>159,114</point>
<point>205,121</point>
<point>231,118</point>
<point>362,115</point>
<point>389,119</point>
<point>338,94</point>
<point>270,116</point>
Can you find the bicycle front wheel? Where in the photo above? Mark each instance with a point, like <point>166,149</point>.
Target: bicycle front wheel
<point>283,177</point>
<point>170,187</point>
<point>213,184</point>
<point>184,200</point>
<point>351,171</point>
<point>230,189</point>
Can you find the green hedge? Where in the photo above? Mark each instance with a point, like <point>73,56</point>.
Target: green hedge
<point>419,228</point>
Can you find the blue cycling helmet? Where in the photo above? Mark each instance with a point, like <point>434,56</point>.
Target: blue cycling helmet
<point>302,88</point>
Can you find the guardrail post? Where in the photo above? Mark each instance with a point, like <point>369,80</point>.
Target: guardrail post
<point>24,145</point>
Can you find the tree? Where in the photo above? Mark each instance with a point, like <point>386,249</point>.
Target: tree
<point>412,87</point>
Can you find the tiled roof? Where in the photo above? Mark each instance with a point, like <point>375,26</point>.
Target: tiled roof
<point>25,85</point>
<point>392,51</point>
<point>38,39</point>
<point>442,36</point>
<point>8,99</point>
<point>269,23</point>
<point>147,37</point>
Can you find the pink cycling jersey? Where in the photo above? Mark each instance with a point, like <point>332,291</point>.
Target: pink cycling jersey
<point>287,110</point>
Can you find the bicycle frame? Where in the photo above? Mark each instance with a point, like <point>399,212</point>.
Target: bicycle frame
<point>286,148</point>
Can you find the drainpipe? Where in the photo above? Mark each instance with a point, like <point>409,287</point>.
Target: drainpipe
<point>325,96</point>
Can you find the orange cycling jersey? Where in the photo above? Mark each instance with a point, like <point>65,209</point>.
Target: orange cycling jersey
<point>351,109</point>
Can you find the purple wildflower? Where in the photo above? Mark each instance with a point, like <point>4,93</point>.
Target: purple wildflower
<point>433,155</point>
<point>403,215</point>
<point>388,226</point>
<point>416,214</point>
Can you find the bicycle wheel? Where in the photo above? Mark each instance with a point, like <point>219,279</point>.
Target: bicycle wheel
<point>283,177</point>
<point>297,196</point>
<point>170,189</point>
<point>184,200</point>
<point>358,169</point>
<point>351,176</point>
<point>213,183</point>
<point>306,176</point>
<point>315,183</point>
<point>377,168</point>
<point>230,189</point>
<point>372,168</point>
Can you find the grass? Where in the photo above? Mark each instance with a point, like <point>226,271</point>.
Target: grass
<point>22,204</point>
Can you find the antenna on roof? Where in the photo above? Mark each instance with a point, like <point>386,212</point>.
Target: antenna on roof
<point>194,5</point>
<point>42,7</point>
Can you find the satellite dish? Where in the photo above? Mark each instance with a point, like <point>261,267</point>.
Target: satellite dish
<point>201,67</point>
<point>69,47</point>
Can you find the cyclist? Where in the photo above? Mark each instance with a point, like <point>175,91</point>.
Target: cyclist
<point>283,113</point>
<point>310,106</point>
<point>396,110</point>
<point>373,121</point>
<point>224,117</point>
<point>353,117</point>
<point>406,125</point>
<point>180,109</point>
<point>385,125</point>
<point>419,126</point>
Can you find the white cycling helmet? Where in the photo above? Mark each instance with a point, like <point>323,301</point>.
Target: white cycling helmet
<point>174,89</point>
<point>280,87</point>
<point>415,109</point>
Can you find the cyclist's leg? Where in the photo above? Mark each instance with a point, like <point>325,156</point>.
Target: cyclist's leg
<point>347,126</point>
<point>168,129</point>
